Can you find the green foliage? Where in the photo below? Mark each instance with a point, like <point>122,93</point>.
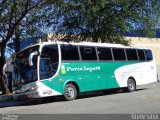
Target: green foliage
<point>14,16</point>
<point>107,20</point>
<point>23,18</point>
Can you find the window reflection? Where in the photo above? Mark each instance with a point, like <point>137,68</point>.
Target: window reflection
<point>49,61</point>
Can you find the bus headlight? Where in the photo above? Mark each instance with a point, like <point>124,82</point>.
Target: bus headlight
<point>33,87</point>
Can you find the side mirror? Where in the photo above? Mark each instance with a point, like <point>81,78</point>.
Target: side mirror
<point>31,57</point>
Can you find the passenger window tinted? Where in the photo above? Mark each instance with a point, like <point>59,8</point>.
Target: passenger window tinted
<point>149,55</point>
<point>131,54</point>
<point>104,53</point>
<point>69,52</point>
<point>52,52</point>
<point>118,54</point>
<point>88,53</point>
<point>141,55</point>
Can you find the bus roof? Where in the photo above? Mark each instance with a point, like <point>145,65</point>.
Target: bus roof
<point>92,44</point>
<point>86,44</point>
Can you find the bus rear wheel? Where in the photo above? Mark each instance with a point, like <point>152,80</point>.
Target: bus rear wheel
<point>70,92</point>
<point>131,85</point>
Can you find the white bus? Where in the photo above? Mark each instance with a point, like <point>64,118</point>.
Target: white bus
<point>50,69</point>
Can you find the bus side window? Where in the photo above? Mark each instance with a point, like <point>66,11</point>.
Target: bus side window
<point>149,55</point>
<point>141,55</point>
<point>119,54</point>
<point>104,53</point>
<point>88,53</point>
<point>69,52</point>
<point>131,54</point>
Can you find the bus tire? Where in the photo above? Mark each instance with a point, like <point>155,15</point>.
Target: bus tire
<point>70,92</point>
<point>131,85</point>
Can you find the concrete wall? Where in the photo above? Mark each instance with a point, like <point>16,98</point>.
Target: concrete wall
<point>153,43</point>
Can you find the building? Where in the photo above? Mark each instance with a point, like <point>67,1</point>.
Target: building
<point>153,43</point>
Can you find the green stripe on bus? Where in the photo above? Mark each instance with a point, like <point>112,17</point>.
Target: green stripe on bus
<point>88,76</point>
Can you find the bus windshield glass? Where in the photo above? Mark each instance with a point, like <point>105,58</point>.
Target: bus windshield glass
<point>49,61</point>
<point>23,72</point>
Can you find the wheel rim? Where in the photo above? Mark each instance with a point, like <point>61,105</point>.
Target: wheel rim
<point>131,85</point>
<point>70,92</point>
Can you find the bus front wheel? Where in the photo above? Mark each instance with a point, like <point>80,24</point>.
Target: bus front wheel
<point>131,85</point>
<point>70,92</point>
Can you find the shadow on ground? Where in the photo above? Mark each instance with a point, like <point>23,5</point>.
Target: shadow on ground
<point>11,103</point>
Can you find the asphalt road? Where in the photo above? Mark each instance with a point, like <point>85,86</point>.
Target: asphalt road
<point>146,99</point>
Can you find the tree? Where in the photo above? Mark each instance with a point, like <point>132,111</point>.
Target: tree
<point>36,23</point>
<point>12,13</point>
<point>107,20</point>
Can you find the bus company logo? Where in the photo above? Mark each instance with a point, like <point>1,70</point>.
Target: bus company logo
<point>85,68</point>
<point>63,70</point>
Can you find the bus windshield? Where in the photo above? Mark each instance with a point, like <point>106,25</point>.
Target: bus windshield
<point>23,72</point>
<point>49,61</point>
